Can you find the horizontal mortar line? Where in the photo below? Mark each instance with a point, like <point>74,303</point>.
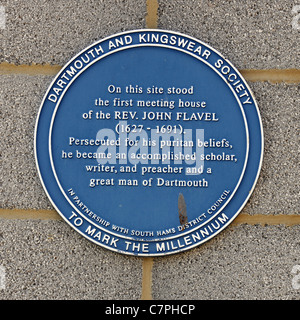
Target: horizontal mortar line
<point>32,70</point>
<point>272,75</point>
<point>27,214</point>
<point>267,219</point>
<point>242,218</point>
<point>252,75</point>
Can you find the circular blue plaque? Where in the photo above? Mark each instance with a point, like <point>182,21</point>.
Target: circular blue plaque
<point>149,142</point>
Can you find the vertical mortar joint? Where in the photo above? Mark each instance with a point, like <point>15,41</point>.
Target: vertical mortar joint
<point>147,279</point>
<point>152,14</point>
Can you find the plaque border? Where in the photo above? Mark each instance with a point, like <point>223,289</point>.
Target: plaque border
<point>168,47</point>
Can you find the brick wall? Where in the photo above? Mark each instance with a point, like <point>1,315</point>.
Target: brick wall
<point>41,257</point>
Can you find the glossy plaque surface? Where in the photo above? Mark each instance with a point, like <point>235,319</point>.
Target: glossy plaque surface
<point>149,142</point>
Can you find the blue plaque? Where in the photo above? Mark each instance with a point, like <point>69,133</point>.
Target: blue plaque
<point>149,142</point>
